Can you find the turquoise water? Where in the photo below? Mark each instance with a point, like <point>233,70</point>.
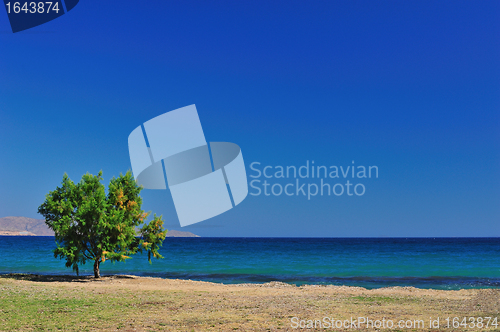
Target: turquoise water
<point>441,263</point>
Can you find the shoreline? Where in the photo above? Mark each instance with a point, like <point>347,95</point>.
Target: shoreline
<point>90,277</point>
<point>18,233</point>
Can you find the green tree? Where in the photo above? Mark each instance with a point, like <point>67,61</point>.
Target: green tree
<point>90,225</point>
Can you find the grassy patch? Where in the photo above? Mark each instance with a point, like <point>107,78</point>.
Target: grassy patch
<point>377,299</point>
<point>49,308</point>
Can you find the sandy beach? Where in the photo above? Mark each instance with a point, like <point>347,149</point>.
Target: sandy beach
<point>129,303</point>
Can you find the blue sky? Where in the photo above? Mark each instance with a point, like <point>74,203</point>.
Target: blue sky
<point>412,87</point>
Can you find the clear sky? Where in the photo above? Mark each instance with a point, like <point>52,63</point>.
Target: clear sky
<point>412,87</point>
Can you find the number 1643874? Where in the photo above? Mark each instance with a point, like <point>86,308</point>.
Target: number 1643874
<point>32,7</point>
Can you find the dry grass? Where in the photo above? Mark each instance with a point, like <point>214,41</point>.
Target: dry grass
<point>126,303</point>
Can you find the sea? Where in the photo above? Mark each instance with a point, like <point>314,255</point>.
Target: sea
<point>437,263</point>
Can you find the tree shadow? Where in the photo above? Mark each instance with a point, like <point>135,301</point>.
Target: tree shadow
<point>62,278</point>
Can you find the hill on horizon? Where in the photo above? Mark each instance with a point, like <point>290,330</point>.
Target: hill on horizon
<point>37,227</point>
<point>24,226</point>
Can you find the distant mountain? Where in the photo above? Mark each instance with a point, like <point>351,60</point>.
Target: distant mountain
<point>24,226</point>
<point>174,233</point>
<point>37,227</point>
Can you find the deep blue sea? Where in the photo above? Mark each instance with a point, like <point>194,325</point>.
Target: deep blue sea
<point>440,263</point>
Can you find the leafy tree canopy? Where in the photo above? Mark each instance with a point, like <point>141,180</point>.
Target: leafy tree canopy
<point>92,225</point>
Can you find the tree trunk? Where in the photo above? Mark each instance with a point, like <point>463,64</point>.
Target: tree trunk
<point>96,268</point>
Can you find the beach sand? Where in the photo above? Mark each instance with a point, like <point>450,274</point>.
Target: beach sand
<point>129,303</point>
